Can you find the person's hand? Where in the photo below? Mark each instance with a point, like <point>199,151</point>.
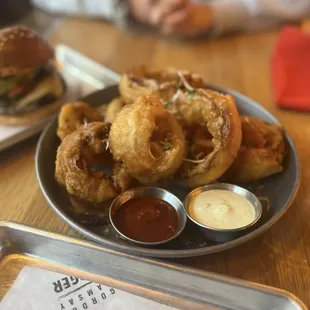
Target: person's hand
<point>141,9</point>
<point>169,12</point>
<point>196,21</point>
<point>173,16</point>
<point>155,12</point>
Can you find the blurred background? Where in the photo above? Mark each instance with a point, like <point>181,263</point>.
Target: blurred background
<point>24,12</point>
<point>184,18</point>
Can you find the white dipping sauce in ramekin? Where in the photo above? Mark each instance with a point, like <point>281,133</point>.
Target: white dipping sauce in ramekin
<point>221,209</point>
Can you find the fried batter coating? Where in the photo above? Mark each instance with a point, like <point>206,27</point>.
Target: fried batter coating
<point>78,157</point>
<point>211,122</point>
<point>148,139</point>
<point>113,108</point>
<point>73,115</point>
<point>163,83</point>
<point>261,153</point>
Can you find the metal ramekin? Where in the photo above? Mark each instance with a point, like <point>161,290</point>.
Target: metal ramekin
<point>150,192</point>
<point>224,235</point>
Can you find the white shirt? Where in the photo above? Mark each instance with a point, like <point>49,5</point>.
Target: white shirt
<point>228,15</point>
<point>231,15</point>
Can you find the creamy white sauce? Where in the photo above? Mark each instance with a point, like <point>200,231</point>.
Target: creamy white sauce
<point>221,209</point>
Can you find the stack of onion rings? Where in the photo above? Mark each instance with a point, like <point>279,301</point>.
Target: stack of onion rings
<point>164,126</point>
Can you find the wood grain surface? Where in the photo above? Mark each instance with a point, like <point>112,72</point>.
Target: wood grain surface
<point>281,256</point>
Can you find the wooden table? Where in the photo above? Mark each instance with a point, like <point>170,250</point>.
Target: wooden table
<point>281,256</point>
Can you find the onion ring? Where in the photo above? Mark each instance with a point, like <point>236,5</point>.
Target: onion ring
<point>73,115</point>
<point>163,83</point>
<point>261,153</point>
<point>77,156</point>
<point>113,108</point>
<point>148,139</point>
<point>216,117</point>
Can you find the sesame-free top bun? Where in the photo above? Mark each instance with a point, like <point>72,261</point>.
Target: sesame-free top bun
<point>21,49</point>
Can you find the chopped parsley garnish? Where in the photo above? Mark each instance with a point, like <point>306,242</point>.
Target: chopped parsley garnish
<point>167,147</point>
<point>191,93</point>
<point>166,144</point>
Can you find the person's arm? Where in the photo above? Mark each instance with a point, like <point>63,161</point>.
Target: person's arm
<point>113,10</point>
<point>247,15</point>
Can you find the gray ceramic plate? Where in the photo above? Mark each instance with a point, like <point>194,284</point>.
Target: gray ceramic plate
<point>276,192</point>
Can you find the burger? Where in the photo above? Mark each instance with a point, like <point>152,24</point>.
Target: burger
<point>30,86</point>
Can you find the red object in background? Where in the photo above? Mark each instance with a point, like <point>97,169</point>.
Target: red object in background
<point>290,69</point>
